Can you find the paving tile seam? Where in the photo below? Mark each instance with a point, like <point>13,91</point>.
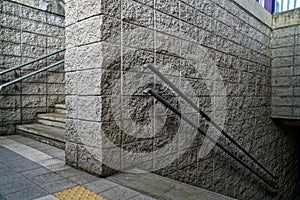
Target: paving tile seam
<point>108,189</point>
<point>28,153</point>
<point>132,197</point>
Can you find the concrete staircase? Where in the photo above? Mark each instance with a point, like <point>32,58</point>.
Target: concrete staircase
<point>50,127</point>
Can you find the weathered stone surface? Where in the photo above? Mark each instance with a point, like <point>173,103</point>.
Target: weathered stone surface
<point>111,8</point>
<point>71,104</point>
<point>27,34</point>
<point>98,55</point>
<point>137,13</point>
<point>284,43</point>
<point>93,34</point>
<point>284,71</point>
<point>87,8</point>
<point>89,108</point>
<point>71,83</point>
<point>71,12</point>
<point>89,159</point>
<point>282,111</point>
<point>284,51</point>
<point>166,24</point>
<point>170,7</point>
<point>71,154</point>
<point>141,39</point>
<point>281,81</point>
<point>89,133</point>
<point>284,32</point>
<point>282,62</point>
<point>218,54</point>
<point>71,36</point>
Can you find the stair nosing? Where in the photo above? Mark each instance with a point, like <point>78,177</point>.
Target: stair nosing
<point>30,129</point>
<point>47,116</point>
<point>60,106</point>
<point>44,122</point>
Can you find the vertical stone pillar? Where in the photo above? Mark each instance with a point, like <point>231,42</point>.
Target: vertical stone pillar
<point>93,54</point>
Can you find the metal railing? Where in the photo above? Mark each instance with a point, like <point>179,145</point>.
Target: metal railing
<point>32,73</point>
<point>201,112</point>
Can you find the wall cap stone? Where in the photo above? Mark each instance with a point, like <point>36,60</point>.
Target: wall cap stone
<point>256,10</point>
<point>33,7</point>
<point>284,19</point>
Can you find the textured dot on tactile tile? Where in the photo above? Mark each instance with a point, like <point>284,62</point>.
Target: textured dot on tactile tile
<point>78,193</point>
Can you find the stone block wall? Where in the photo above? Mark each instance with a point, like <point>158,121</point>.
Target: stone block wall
<point>54,6</point>
<point>28,33</point>
<point>286,65</point>
<point>216,52</point>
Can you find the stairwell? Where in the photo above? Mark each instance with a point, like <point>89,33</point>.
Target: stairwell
<point>49,127</point>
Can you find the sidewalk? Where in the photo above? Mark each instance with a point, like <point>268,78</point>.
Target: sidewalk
<point>34,170</point>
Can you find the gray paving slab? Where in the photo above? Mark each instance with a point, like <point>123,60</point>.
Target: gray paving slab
<point>3,151</point>
<point>11,178</point>
<point>10,158</point>
<point>141,197</point>
<point>175,194</point>
<point>118,193</point>
<point>15,186</point>
<point>35,172</point>
<point>68,172</point>
<point>27,194</point>
<point>22,165</point>
<point>149,187</point>
<point>83,178</point>
<point>47,178</point>
<point>7,155</point>
<point>163,188</point>
<point>100,185</point>
<point>59,185</point>
<point>5,170</point>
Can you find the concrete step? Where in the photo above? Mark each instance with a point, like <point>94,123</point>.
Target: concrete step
<point>163,188</point>
<point>52,119</point>
<point>47,134</point>
<point>61,111</point>
<point>60,108</point>
<point>55,117</point>
<point>51,123</point>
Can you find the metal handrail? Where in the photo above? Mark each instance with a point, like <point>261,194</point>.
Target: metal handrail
<point>170,84</point>
<point>30,74</point>
<point>30,62</point>
<point>182,116</point>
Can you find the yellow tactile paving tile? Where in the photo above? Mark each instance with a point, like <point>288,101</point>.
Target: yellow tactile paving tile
<point>78,193</point>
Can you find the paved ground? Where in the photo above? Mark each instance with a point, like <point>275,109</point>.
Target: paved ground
<point>34,170</point>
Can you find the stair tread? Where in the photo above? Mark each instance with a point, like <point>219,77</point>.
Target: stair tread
<point>44,130</point>
<point>60,106</point>
<point>60,117</point>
